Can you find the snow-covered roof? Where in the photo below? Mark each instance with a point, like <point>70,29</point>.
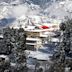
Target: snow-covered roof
<point>43,35</point>
<point>40,30</point>
<point>33,39</point>
<point>4,56</point>
<point>55,40</point>
<point>30,27</point>
<point>38,55</point>
<point>32,44</point>
<point>1,36</point>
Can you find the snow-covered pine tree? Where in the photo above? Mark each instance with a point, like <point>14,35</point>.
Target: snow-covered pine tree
<point>62,57</point>
<point>15,45</point>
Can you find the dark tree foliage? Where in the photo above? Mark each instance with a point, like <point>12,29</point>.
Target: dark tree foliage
<point>40,70</point>
<point>5,45</point>
<point>14,45</point>
<point>63,56</point>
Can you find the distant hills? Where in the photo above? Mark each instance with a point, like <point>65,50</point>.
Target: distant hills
<point>57,9</point>
<point>5,21</point>
<point>37,2</point>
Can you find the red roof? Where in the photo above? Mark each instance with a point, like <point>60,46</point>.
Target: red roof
<point>44,27</point>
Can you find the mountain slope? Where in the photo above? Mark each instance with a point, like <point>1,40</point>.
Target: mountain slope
<point>57,9</point>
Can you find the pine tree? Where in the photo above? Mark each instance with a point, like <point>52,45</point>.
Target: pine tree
<point>14,45</point>
<point>60,59</point>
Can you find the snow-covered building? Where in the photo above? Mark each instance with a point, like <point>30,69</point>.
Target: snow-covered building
<point>33,43</point>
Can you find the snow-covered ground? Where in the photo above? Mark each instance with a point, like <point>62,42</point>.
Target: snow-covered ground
<point>43,53</point>
<point>38,55</point>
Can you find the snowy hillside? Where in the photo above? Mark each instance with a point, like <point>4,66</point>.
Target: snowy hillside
<point>57,9</point>
<point>10,11</point>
